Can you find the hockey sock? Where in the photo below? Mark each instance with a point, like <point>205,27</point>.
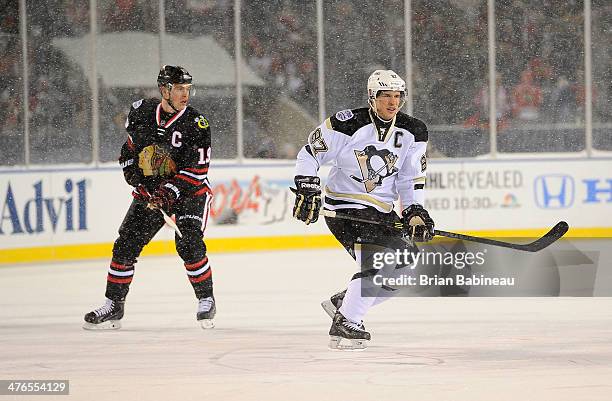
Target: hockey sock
<point>360,294</point>
<point>354,305</point>
<point>383,296</point>
<point>200,277</point>
<point>118,280</point>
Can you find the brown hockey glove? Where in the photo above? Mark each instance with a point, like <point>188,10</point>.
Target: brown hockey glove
<point>418,226</point>
<point>163,198</point>
<point>307,198</point>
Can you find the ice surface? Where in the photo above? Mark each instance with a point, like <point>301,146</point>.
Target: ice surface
<point>271,337</point>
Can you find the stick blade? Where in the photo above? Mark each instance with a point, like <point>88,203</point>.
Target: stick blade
<point>549,238</point>
<point>171,223</point>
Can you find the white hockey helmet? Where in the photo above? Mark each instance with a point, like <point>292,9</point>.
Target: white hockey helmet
<point>384,80</point>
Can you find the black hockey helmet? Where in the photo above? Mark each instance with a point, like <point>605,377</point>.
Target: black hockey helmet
<point>173,74</point>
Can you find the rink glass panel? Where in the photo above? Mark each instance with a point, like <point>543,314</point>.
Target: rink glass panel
<point>283,52</point>
<point>11,90</point>
<point>540,62</point>
<point>450,70</point>
<point>450,64</point>
<point>360,37</point>
<point>218,104</point>
<point>59,91</point>
<point>601,28</point>
<point>115,100</point>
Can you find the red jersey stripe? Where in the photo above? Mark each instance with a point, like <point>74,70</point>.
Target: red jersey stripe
<point>197,170</point>
<point>196,265</point>
<point>201,278</point>
<point>116,280</point>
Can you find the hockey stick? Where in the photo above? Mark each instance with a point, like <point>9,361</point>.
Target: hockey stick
<point>171,223</point>
<point>551,236</point>
<point>167,218</point>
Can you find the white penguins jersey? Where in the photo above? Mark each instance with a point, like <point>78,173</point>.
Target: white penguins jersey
<point>373,161</point>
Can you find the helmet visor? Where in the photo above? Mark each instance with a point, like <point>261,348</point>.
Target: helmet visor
<point>182,88</point>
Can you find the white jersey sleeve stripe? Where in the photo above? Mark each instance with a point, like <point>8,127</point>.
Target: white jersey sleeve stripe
<point>196,176</point>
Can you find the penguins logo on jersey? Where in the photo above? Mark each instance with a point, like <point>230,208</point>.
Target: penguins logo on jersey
<point>375,166</point>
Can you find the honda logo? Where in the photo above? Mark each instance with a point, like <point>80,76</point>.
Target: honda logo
<point>554,191</point>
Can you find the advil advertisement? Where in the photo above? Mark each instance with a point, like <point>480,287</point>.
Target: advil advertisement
<point>49,208</point>
<point>64,213</point>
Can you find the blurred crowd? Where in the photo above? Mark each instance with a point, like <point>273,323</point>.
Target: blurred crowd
<point>539,53</point>
<point>540,64</point>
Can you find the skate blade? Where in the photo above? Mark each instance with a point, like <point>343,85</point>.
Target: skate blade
<point>108,325</point>
<point>345,344</point>
<point>329,308</point>
<point>207,324</point>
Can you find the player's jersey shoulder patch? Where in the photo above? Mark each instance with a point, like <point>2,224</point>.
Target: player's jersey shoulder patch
<point>192,114</point>
<point>344,115</point>
<point>348,126</point>
<point>144,106</point>
<point>137,103</point>
<point>413,125</point>
<point>202,122</point>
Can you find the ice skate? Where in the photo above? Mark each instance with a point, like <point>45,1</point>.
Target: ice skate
<point>346,335</point>
<point>334,303</point>
<point>206,312</point>
<point>106,317</point>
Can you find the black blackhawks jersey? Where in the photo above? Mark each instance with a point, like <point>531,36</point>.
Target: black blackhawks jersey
<point>373,161</point>
<point>174,148</point>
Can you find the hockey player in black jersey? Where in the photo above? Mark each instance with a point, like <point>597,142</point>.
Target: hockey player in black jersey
<point>165,159</point>
<point>378,155</point>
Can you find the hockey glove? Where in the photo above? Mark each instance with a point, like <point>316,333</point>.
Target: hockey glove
<point>307,198</point>
<point>417,225</point>
<point>131,172</point>
<point>163,198</point>
<point>141,194</point>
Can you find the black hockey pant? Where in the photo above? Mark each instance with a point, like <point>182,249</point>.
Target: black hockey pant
<point>368,238</point>
<point>354,234</point>
<point>140,226</point>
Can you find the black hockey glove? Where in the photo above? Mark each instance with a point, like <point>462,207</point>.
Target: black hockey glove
<point>131,172</point>
<point>307,198</point>
<point>163,198</point>
<point>418,226</point>
<point>141,194</point>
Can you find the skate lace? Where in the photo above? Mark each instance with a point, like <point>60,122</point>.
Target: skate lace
<point>205,304</point>
<point>353,325</point>
<point>104,309</point>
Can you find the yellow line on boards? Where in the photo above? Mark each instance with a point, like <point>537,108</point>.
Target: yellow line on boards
<point>156,248</point>
<point>244,244</point>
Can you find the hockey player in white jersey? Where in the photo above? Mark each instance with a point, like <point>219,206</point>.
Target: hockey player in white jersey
<point>378,154</point>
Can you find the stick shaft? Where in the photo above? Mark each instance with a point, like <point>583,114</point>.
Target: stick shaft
<point>553,235</point>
